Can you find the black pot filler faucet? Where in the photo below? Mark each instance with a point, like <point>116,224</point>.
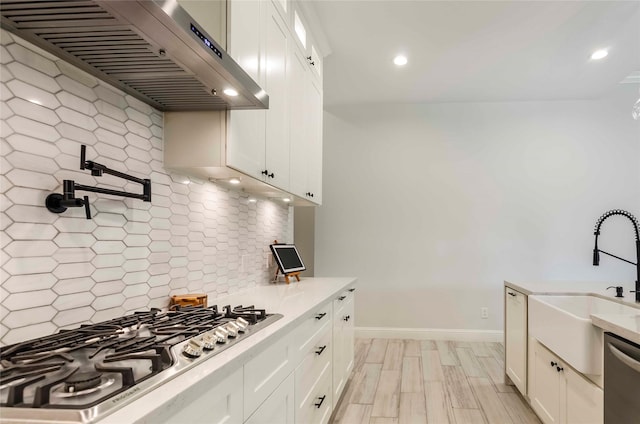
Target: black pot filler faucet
<point>596,251</point>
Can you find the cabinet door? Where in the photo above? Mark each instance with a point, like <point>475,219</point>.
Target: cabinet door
<point>297,126</point>
<point>278,408</point>
<point>314,135</point>
<point>545,384</point>
<point>246,128</point>
<point>342,342</point>
<point>516,338</point>
<point>263,373</point>
<point>585,400</point>
<point>219,403</point>
<point>277,125</point>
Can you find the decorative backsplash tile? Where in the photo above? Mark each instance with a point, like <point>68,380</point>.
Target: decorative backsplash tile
<point>62,270</point>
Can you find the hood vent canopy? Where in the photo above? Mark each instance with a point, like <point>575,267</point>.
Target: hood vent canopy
<point>151,49</point>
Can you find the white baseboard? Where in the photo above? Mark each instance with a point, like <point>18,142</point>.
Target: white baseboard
<point>429,334</point>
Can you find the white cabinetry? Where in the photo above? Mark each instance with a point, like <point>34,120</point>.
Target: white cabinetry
<point>259,140</point>
<point>305,91</point>
<point>278,408</point>
<point>279,148</point>
<point>317,356</point>
<point>220,403</point>
<point>313,392</point>
<point>266,371</point>
<point>516,338</point>
<point>558,393</point>
<point>343,318</point>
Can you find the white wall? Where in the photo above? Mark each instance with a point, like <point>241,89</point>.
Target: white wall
<point>433,206</point>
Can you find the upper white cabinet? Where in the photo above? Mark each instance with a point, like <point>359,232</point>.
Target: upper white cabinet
<point>258,143</point>
<point>280,147</point>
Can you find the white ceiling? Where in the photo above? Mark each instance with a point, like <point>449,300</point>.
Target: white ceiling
<point>475,50</point>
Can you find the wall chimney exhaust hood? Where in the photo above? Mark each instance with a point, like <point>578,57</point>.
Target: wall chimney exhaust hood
<point>151,49</point>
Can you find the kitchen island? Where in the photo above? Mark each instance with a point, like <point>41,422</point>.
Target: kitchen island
<point>554,344</point>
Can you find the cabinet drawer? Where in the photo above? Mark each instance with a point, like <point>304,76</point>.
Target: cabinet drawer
<point>315,407</point>
<point>266,371</point>
<point>308,333</point>
<point>342,299</point>
<point>313,363</point>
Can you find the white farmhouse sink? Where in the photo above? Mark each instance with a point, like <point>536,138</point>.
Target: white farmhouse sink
<point>563,324</point>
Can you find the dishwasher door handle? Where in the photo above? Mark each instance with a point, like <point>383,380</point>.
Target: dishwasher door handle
<point>624,358</point>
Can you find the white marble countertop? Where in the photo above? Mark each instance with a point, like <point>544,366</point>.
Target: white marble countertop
<point>624,325</point>
<point>294,301</point>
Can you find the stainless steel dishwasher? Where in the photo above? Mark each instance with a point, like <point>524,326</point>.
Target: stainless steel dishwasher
<point>621,380</point>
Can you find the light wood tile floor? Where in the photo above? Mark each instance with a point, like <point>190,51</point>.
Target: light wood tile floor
<point>434,382</point>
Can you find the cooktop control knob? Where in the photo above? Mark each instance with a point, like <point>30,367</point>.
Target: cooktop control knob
<point>242,324</point>
<point>192,349</point>
<point>208,341</point>
<point>220,335</point>
<point>232,329</point>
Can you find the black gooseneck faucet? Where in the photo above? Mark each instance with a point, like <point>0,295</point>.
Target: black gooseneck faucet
<point>636,227</point>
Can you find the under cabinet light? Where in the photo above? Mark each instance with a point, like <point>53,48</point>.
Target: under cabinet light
<point>234,181</point>
<point>400,60</point>
<point>599,54</point>
<point>230,92</point>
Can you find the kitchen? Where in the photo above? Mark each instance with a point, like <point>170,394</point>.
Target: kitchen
<point>493,178</point>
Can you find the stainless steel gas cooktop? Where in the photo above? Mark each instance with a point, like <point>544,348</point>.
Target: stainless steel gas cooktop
<point>86,373</point>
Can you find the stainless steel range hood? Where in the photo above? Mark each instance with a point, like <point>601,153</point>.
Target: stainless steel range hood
<point>151,49</point>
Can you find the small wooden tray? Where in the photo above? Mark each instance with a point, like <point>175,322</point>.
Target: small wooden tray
<point>191,299</point>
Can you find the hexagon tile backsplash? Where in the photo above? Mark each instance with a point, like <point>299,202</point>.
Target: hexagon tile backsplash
<point>62,270</point>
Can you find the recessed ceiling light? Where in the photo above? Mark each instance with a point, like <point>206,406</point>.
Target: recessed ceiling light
<point>286,200</point>
<point>400,60</point>
<point>186,182</point>
<point>234,181</point>
<point>230,92</point>
<point>599,54</point>
<point>252,200</point>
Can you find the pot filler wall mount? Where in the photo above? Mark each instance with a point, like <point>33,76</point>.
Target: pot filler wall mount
<point>58,203</point>
<point>597,251</point>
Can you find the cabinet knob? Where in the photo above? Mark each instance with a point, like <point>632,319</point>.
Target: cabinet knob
<point>352,290</point>
<point>342,298</point>
<point>319,404</point>
<point>320,316</point>
<point>265,172</point>
<point>559,369</point>
<point>553,364</point>
<point>321,349</point>
<point>511,294</point>
<point>347,318</point>
<point>272,175</point>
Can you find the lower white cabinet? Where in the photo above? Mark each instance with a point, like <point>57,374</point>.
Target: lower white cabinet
<point>266,371</point>
<point>279,408</point>
<point>558,393</point>
<point>315,405</point>
<point>343,333</point>
<point>297,378</point>
<point>515,337</point>
<point>219,403</point>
